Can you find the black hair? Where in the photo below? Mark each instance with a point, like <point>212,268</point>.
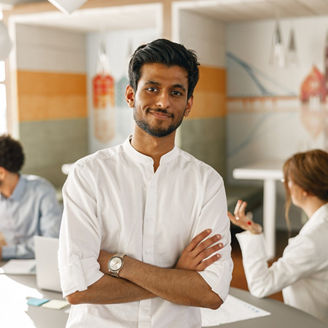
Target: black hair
<point>11,154</point>
<point>165,52</point>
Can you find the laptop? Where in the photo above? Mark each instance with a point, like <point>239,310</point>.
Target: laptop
<point>47,275</point>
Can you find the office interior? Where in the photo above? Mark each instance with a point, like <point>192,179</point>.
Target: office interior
<point>246,108</point>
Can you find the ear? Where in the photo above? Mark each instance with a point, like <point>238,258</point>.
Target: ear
<point>130,96</point>
<point>190,101</point>
<point>2,172</point>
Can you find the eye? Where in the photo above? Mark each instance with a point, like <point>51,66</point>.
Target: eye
<point>176,93</point>
<point>152,89</point>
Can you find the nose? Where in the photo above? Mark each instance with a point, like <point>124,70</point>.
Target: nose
<point>163,100</point>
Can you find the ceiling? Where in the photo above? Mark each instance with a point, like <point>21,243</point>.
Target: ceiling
<point>98,19</point>
<point>244,10</point>
<point>17,2</point>
<point>145,16</point>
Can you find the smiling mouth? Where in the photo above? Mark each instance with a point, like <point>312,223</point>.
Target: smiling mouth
<point>160,114</point>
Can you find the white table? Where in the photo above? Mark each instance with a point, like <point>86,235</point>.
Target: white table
<point>269,171</point>
<point>15,313</point>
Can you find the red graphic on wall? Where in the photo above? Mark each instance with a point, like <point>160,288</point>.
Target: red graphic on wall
<point>103,100</point>
<point>313,87</point>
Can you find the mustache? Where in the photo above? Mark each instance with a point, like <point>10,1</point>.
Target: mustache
<point>160,110</point>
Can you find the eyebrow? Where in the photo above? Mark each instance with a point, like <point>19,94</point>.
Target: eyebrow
<point>180,86</point>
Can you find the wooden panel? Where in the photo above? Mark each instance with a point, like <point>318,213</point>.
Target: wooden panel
<point>49,96</point>
<point>210,93</point>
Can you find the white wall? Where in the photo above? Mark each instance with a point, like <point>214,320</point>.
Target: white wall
<point>118,45</point>
<point>260,127</point>
<point>47,49</point>
<point>204,35</point>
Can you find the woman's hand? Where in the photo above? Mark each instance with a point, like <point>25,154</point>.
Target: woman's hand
<point>2,240</point>
<point>243,220</point>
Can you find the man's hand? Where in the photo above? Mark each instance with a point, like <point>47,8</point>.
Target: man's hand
<point>197,255</point>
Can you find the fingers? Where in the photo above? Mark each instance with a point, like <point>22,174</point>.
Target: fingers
<point>205,244</point>
<point>197,239</point>
<point>199,250</point>
<point>204,264</point>
<point>208,251</point>
<point>240,210</point>
<point>237,207</point>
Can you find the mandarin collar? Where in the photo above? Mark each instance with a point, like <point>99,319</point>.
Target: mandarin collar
<point>147,159</point>
<point>19,189</point>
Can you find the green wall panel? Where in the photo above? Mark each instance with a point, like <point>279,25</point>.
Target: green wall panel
<point>205,139</point>
<point>50,144</point>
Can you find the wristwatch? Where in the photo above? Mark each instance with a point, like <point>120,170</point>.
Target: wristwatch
<point>115,264</point>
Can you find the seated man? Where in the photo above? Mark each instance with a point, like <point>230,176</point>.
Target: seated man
<point>28,204</point>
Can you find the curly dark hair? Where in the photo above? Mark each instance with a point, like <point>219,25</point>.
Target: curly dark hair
<point>11,154</point>
<point>165,52</point>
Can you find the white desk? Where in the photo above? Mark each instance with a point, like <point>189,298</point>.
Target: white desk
<point>15,313</point>
<point>269,172</point>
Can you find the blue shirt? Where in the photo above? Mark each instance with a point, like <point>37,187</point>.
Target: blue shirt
<point>31,210</point>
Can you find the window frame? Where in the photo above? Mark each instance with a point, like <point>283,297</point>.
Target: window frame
<point>3,110</point>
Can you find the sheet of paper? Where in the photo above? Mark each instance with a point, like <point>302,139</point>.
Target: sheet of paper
<point>19,267</point>
<point>233,309</point>
<point>55,304</point>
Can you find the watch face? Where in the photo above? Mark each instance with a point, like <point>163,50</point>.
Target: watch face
<point>115,263</point>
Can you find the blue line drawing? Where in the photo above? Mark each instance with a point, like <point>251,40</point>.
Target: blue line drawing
<point>254,73</point>
<point>254,133</point>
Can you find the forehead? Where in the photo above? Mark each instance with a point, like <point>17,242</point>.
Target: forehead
<point>163,74</point>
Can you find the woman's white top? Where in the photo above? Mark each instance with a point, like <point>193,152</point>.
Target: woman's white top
<point>301,273</point>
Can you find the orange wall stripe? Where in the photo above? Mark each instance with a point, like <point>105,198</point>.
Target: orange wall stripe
<point>210,93</point>
<point>50,96</point>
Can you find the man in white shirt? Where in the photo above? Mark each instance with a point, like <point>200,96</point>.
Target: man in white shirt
<point>145,236</point>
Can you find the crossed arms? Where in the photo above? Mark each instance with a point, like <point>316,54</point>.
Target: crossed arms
<point>181,284</point>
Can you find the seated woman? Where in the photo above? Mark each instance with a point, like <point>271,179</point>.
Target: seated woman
<point>302,272</point>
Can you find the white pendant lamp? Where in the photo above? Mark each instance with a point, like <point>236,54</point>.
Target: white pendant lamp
<point>277,51</point>
<point>67,6</point>
<point>291,55</point>
<point>5,42</point>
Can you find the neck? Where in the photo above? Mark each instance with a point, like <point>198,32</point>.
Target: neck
<point>312,205</point>
<point>153,147</point>
<point>9,184</point>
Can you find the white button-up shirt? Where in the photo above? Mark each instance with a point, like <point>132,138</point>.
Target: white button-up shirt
<point>301,273</point>
<point>113,200</point>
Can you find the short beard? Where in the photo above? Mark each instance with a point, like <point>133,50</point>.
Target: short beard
<point>159,133</point>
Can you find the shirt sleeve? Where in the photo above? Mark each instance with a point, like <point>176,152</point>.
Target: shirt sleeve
<point>300,259</point>
<point>80,233</point>
<point>214,215</point>
<point>48,224</point>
